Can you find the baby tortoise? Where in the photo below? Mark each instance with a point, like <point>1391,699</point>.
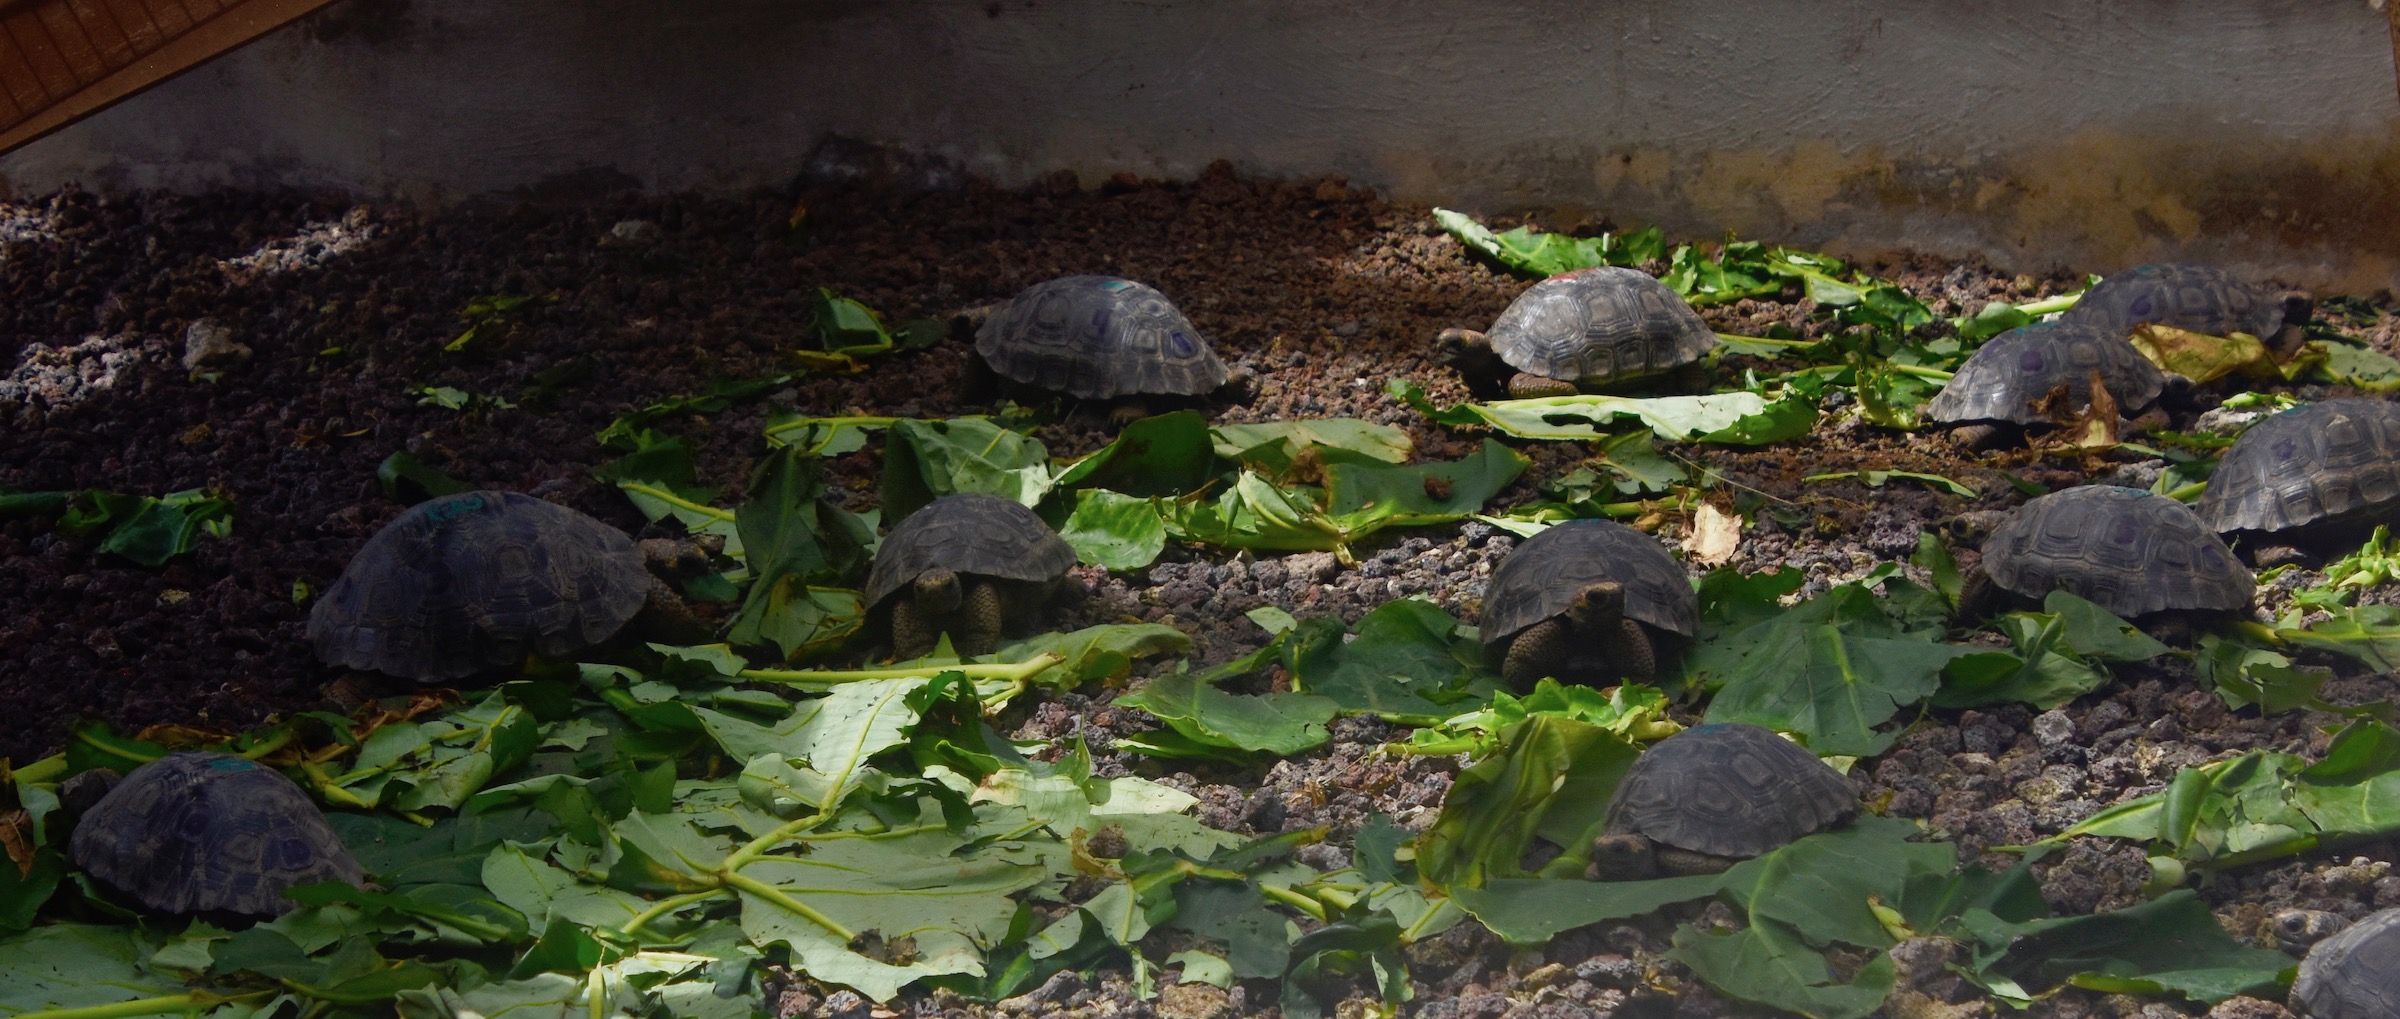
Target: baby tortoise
<point>478,580</point>
<point>1587,329</point>
<point>2138,555</point>
<point>2197,298</point>
<point>1713,795</point>
<point>2321,475</point>
<point>1592,598</point>
<point>972,565</point>
<point>199,832</point>
<point>2037,375</point>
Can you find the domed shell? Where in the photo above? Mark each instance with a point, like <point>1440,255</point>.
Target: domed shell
<point>1728,789</point>
<point>969,533</point>
<point>2012,371</point>
<point>2130,552</point>
<point>2336,460</point>
<point>477,580</point>
<point>196,832</point>
<point>2354,974</point>
<point>2200,298</point>
<point>1540,579</point>
<point>1098,337</point>
<point>1600,325</point>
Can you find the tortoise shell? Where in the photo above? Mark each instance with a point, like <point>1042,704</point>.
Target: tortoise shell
<point>1728,789</point>
<point>969,533</point>
<point>1540,579</point>
<point>1600,325</point>
<point>197,832</point>
<point>2013,371</point>
<point>1098,337</point>
<point>2200,298</point>
<point>476,580</point>
<point>2128,551</point>
<point>2333,461</point>
<point>2354,974</point>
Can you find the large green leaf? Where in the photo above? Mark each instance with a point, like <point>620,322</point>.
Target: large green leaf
<point>925,460</point>
<point>2171,944</point>
<point>1739,418</point>
<point>1551,781</point>
<point>1405,661</point>
<point>1278,723</point>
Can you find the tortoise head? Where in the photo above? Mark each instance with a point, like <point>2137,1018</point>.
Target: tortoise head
<point>2298,307</point>
<point>1596,606</point>
<point>1464,347</point>
<point>1624,856</point>
<point>83,790</point>
<point>2296,930</point>
<point>936,591</point>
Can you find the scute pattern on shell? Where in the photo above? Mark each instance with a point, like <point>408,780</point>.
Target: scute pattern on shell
<point>968,533</point>
<point>1599,325</point>
<point>1728,789</point>
<point>196,832</point>
<point>476,580</point>
<point>1540,578</point>
<point>2335,460</point>
<point>1099,337</point>
<point>2128,551</point>
<point>2200,298</point>
<point>2354,974</point>
<point>2011,371</point>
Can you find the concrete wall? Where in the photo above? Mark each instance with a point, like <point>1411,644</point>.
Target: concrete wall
<point>2088,133</point>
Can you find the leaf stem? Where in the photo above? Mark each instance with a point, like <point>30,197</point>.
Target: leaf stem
<point>2047,305</point>
<point>665,906</point>
<point>677,501</point>
<point>1016,672</point>
<point>1920,371</point>
<point>754,886</point>
<point>1295,900</point>
<point>187,1002</point>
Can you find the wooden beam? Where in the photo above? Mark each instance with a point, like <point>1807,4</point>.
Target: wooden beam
<point>64,60</point>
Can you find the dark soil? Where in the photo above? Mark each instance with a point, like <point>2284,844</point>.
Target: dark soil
<point>1322,290</point>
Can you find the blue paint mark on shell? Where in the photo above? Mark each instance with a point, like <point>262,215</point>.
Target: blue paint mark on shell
<point>2030,362</point>
<point>1183,344</point>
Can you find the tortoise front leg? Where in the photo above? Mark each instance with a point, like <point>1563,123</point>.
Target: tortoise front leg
<point>1628,648</point>
<point>979,618</point>
<point>914,631</point>
<point>1537,651</point>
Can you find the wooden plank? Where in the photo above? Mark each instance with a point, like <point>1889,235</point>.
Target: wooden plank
<point>63,60</point>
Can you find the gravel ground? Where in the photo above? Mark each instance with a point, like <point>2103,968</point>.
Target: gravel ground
<point>340,313</point>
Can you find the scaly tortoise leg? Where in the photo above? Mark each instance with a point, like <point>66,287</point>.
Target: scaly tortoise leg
<point>913,632</point>
<point>1526,386</point>
<point>1627,647</point>
<point>1537,651</point>
<point>979,619</point>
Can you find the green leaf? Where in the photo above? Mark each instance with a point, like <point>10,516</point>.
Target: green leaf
<point>1281,724</point>
<point>1739,418</point>
<point>2368,633</point>
<point>1378,441</point>
<point>2170,944</point>
<point>1877,479</point>
<point>407,480</point>
<point>2246,676</point>
<point>67,965</point>
<point>2362,367</point>
<point>146,530</point>
<point>1547,254</point>
<point>1830,669</point>
<point>1405,662</point>
<point>1359,498</point>
<point>1551,780</point>
<point>797,539</point>
<point>1528,911</point>
<point>925,460</point>
<point>1166,456</point>
<point>1113,531</point>
<point>1770,966</point>
<point>904,885</point>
